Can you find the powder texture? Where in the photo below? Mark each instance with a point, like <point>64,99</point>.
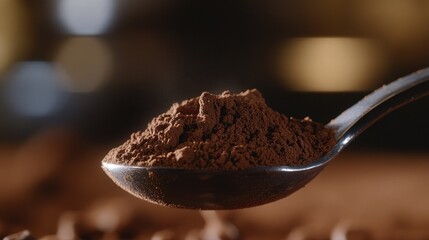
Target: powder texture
<point>226,131</point>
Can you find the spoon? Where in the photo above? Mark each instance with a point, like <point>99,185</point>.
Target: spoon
<point>217,189</point>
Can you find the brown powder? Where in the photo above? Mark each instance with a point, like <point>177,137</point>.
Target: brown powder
<point>228,132</point>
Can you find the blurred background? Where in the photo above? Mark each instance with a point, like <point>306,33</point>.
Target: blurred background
<point>105,68</point>
<point>77,77</point>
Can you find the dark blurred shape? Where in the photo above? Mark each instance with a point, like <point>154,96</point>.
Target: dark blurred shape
<point>37,161</point>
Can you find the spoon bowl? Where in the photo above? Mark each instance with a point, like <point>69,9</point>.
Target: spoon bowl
<point>219,189</point>
<point>210,189</point>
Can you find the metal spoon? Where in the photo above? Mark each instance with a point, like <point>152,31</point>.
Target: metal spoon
<point>217,189</point>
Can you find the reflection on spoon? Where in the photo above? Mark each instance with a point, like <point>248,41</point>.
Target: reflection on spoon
<point>217,189</point>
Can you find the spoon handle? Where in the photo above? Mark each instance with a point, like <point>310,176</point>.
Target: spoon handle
<point>374,106</point>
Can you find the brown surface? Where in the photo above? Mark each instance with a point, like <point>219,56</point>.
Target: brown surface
<point>227,131</point>
<point>383,195</point>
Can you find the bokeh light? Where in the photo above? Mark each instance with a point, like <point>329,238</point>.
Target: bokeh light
<point>330,64</point>
<point>86,17</point>
<point>87,61</point>
<point>31,89</point>
<point>12,30</point>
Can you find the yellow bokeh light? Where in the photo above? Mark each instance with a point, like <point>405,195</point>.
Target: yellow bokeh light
<point>330,64</point>
<point>12,30</point>
<point>86,61</point>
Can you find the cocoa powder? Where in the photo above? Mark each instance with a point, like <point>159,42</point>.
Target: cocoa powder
<point>226,131</point>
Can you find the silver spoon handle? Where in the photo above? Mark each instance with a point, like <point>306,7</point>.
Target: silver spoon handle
<point>374,106</point>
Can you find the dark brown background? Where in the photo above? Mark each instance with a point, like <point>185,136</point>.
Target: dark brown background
<point>165,51</point>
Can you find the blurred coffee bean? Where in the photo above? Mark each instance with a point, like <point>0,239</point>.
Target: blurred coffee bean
<point>164,235</point>
<point>215,228</point>
<point>67,226</point>
<point>110,215</point>
<point>23,235</point>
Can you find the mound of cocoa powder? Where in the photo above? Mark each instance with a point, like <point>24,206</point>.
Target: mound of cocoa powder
<point>226,131</point>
